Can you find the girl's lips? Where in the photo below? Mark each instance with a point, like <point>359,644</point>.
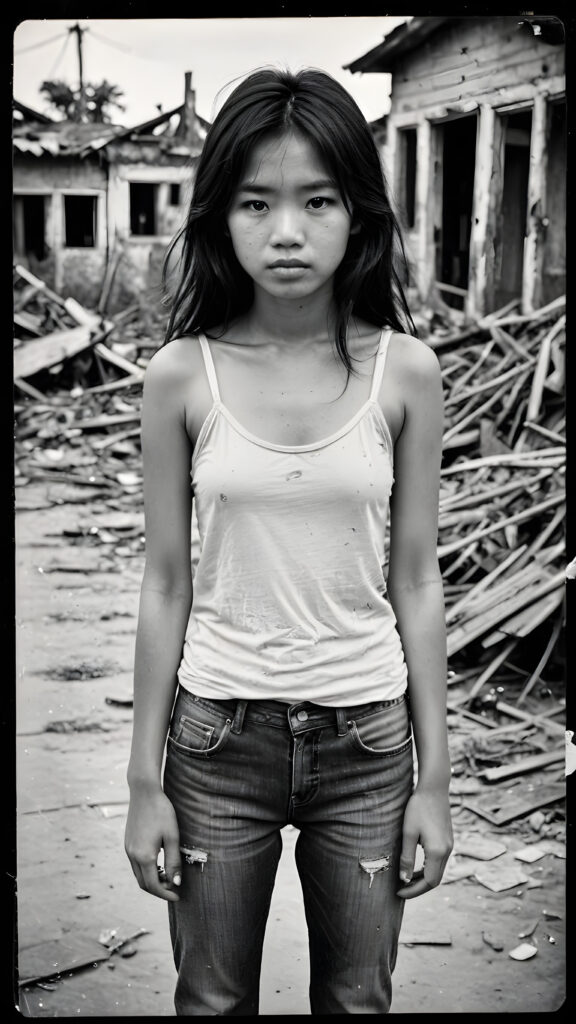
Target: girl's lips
<point>288,264</point>
<point>288,268</point>
<point>292,270</point>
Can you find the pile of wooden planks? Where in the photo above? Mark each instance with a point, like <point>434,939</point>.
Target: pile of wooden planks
<point>58,341</point>
<point>502,498</point>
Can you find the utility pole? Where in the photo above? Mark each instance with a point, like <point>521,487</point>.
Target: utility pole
<point>82,98</point>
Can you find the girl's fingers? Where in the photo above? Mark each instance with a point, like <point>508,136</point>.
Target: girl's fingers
<point>157,883</point>
<point>423,881</point>
<point>154,881</point>
<point>407,859</point>
<point>417,887</point>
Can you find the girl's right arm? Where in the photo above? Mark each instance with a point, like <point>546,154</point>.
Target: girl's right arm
<point>165,601</point>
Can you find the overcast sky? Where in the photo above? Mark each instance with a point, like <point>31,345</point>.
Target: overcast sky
<point>147,58</point>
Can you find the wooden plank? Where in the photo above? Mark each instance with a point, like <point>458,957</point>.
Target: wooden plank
<point>483,584</point>
<point>491,669</point>
<point>543,661</point>
<point>29,322</point>
<point>539,542</point>
<point>500,808</point>
<point>423,219</point>
<point>41,353</point>
<point>98,422</point>
<point>540,374</point>
<point>533,247</point>
<point>518,517</point>
<point>37,283</point>
<point>461,636</point>
<point>486,385</point>
<point>477,279</point>
<point>450,288</point>
<point>458,426</point>
<point>503,592</point>
<point>525,716</point>
<point>513,459</point>
<point>526,621</point>
<point>115,385</point>
<point>462,440</point>
<point>29,390</point>
<point>527,764</point>
<point>117,360</point>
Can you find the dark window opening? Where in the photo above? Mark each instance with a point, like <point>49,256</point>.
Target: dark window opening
<point>408,136</point>
<point>80,221</point>
<point>29,226</point>
<point>459,159</point>
<point>175,195</point>
<point>142,208</point>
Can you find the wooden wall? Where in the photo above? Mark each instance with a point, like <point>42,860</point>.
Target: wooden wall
<point>483,67</point>
<point>484,59</point>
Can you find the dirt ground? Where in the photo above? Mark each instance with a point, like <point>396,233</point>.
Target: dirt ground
<point>76,614</point>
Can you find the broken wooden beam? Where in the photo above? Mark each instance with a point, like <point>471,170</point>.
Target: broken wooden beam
<point>42,353</point>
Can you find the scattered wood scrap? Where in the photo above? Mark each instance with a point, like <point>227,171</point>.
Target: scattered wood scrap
<point>502,499</point>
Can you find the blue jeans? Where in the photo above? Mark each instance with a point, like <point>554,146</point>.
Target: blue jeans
<point>236,773</point>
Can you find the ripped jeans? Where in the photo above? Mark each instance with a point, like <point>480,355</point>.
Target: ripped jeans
<point>237,772</point>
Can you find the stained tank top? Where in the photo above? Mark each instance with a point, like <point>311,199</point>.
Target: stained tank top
<point>289,594</point>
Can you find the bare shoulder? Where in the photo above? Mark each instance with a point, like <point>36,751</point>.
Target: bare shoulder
<point>174,363</point>
<point>413,361</point>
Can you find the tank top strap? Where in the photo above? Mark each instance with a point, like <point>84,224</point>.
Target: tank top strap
<point>210,368</point>
<point>380,361</point>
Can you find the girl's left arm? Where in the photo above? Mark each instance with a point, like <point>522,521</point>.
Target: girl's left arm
<point>416,594</point>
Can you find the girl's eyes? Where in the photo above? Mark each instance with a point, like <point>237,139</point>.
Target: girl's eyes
<point>316,203</point>
<point>322,202</point>
<point>258,205</point>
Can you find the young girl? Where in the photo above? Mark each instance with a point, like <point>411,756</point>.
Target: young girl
<point>291,673</point>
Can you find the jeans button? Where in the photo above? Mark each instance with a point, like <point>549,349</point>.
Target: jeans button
<point>302,716</point>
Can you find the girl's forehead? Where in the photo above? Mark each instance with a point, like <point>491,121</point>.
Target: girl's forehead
<point>286,154</point>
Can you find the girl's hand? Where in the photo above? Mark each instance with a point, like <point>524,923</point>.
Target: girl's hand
<point>426,821</point>
<point>150,827</point>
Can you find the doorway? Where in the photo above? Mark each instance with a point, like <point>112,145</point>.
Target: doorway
<point>513,219</point>
<point>458,164</point>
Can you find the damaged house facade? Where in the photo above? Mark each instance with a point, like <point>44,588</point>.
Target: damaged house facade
<point>474,147</point>
<point>95,205</point>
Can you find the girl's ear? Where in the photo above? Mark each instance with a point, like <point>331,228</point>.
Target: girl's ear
<point>356,228</point>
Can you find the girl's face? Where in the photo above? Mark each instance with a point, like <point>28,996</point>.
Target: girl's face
<point>287,221</point>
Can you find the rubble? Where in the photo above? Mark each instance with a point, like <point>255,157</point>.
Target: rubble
<point>501,537</point>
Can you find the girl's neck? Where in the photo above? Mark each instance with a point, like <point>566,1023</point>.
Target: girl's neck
<point>297,320</point>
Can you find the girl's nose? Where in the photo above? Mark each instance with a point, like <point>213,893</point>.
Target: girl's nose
<point>287,228</point>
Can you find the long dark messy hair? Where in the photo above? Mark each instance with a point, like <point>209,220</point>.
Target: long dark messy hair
<point>212,289</point>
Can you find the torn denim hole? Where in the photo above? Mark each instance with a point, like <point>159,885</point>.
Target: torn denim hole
<point>373,864</point>
<point>193,855</point>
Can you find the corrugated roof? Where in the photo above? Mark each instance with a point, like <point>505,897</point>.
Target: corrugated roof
<point>71,138</point>
<point>61,138</point>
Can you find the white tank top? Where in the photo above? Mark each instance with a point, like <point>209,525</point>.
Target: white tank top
<point>289,597</point>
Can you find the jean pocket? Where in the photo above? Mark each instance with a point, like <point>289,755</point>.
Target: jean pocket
<point>199,734</point>
<point>385,732</point>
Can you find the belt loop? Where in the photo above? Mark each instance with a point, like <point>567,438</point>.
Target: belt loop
<point>342,721</point>
<point>239,717</point>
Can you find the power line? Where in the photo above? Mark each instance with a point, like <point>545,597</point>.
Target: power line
<point>129,50</point>
<point>52,71</point>
<point>110,42</point>
<point>36,46</point>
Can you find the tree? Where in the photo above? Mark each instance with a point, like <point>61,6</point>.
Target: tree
<point>89,104</point>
